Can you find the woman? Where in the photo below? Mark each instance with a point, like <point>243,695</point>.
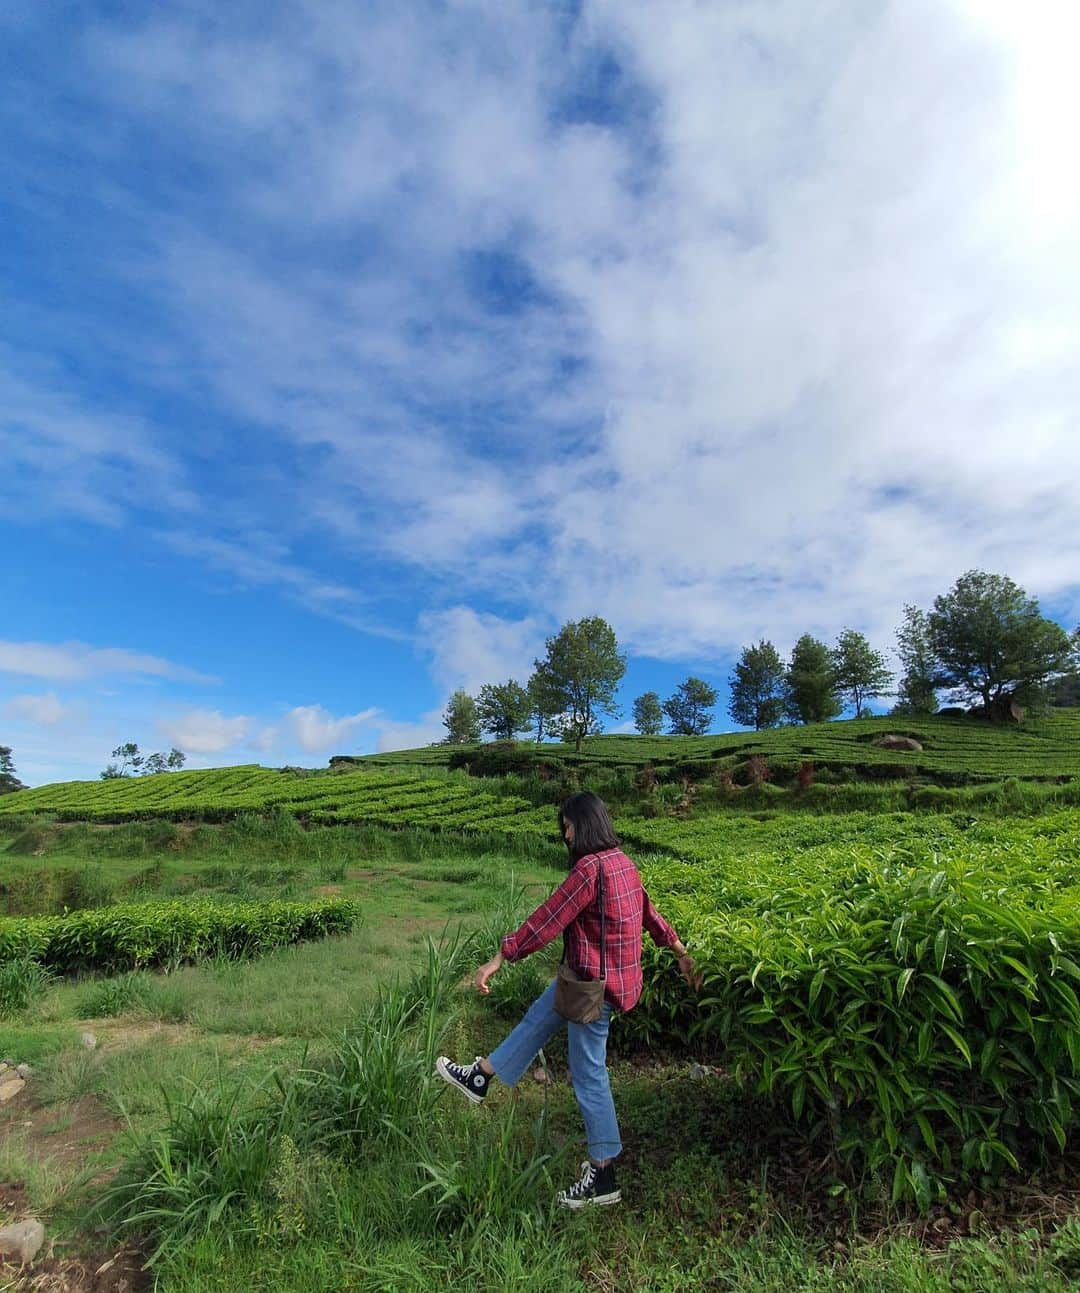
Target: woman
<point>572,911</point>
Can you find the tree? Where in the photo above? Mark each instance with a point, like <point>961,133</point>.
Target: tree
<point>133,763</point>
<point>130,764</point>
<point>991,642</point>
<point>9,782</point>
<point>545,700</point>
<point>690,709</point>
<point>917,692</point>
<point>648,714</point>
<point>861,672</point>
<point>504,709</point>
<point>461,720</point>
<point>757,687</point>
<point>810,683</point>
<point>584,666</point>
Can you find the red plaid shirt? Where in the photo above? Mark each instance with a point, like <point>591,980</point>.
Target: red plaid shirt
<point>572,910</point>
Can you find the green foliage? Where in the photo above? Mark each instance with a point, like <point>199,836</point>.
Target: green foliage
<point>461,719</point>
<point>545,699</point>
<point>810,683</point>
<point>22,981</point>
<point>504,709</point>
<point>583,668</point>
<point>916,1007</point>
<point>757,687</point>
<point>689,710</point>
<point>861,673</point>
<point>134,935</point>
<point>648,714</point>
<point>9,782</point>
<point>917,693</point>
<point>116,996</point>
<point>991,642</point>
<point>133,763</point>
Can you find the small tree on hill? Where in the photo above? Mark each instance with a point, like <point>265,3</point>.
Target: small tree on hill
<point>917,692</point>
<point>690,709</point>
<point>9,782</point>
<point>545,700</point>
<point>584,666</point>
<point>461,720</point>
<point>861,672</point>
<point>757,687</point>
<point>810,683</point>
<point>504,709</point>
<point>648,714</point>
<point>992,643</point>
<point>129,761</point>
<point>161,762</point>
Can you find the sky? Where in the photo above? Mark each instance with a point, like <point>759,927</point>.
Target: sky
<point>347,351</point>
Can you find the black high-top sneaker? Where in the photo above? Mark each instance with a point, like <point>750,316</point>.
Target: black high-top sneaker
<point>470,1079</point>
<point>597,1185</point>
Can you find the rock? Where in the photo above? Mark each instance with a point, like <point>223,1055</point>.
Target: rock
<point>89,1041</point>
<point>894,742</point>
<point>10,1086</point>
<point>22,1240</point>
<point>540,1075</point>
<point>699,1071</point>
<point>24,1071</point>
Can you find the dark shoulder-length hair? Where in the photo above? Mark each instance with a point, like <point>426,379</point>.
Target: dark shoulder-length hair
<point>593,830</point>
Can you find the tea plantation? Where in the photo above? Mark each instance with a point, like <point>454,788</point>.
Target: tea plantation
<point>883,1057</point>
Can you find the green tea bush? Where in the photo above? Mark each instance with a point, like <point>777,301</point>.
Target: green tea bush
<point>131,936</point>
<point>917,1010</point>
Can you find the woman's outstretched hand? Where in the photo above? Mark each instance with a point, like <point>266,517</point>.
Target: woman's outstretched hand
<point>486,971</point>
<point>689,973</point>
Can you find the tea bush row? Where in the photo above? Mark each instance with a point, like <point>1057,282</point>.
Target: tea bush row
<point>917,1008</point>
<point>136,935</point>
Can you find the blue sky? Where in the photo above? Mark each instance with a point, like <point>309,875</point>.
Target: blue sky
<point>347,351</point>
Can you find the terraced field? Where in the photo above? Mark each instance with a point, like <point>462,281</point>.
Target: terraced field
<point>383,798</point>
<point>1042,748</point>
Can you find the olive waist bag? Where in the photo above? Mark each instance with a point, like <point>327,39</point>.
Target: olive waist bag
<point>579,1000</point>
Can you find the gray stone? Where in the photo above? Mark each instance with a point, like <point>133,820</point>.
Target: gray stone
<point>10,1086</point>
<point>24,1071</point>
<point>699,1071</point>
<point>23,1240</point>
<point>894,742</point>
<point>89,1041</point>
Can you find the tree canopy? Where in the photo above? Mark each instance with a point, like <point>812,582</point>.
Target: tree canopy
<point>860,672</point>
<point>991,643</point>
<point>648,714</point>
<point>757,687</point>
<point>690,709</point>
<point>810,683</point>
<point>584,667</point>
<point>545,700</point>
<point>917,692</point>
<point>129,761</point>
<point>504,709</point>
<point>461,719</point>
<point>9,782</point>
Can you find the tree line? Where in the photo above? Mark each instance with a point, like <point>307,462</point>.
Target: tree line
<point>984,644</point>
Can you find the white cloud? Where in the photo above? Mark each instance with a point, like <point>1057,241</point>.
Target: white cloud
<point>45,709</point>
<point>820,297</point>
<point>71,661</point>
<point>316,729</point>
<point>393,735</point>
<point>470,647</point>
<point>204,731</point>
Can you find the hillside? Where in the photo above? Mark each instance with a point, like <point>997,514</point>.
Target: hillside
<point>511,788</point>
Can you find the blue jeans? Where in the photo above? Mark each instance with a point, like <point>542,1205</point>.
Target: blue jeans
<point>588,1066</point>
